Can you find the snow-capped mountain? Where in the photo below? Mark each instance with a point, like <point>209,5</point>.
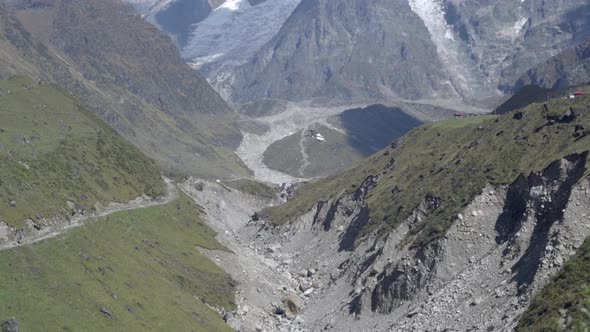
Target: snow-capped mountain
<point>414,49</point>
<point>212,34</point>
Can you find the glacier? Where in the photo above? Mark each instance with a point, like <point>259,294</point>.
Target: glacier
<point>234,32</point>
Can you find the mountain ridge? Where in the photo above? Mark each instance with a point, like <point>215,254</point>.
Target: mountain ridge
<point>165,115</point>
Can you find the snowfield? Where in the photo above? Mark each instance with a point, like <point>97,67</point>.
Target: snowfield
<point>235,31</point>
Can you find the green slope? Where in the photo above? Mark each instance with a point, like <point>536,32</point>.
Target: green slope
<point>142,266</point>
<point>323,158</point>
<point>128,73</point>
<point>52,152</point>
<point>451,160</point>
<point>566,297</point>
<point>361,132</point>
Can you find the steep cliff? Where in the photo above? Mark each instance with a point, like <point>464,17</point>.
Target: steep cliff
<point>350,49</point>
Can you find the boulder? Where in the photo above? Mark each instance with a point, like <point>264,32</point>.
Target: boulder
<point>10,325</point>
<point>293,305</point>
<point>231,320</point>
<point>304,286</point>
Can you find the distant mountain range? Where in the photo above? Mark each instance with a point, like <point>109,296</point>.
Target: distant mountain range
<point>354,50</point>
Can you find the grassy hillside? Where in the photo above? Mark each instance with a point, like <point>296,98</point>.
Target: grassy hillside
<point>129,74</point>
<point>252,187</point>
<point>141,267</point>
<point>323,158</point>
<point>52,151</point>
<point>363,131</point>
<point>567,297</point>
<point>453,161</point>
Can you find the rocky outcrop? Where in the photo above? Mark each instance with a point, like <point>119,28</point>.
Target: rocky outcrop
<point>355,50</point>
<point>500,251</point>
<point>569,68</point>
<point>127,72</point>
<point>345,50</point>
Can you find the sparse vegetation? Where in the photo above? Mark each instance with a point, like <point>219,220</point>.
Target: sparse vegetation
<point>324,158</point>
<point>452,160</point>
<point>52,152</point>
<point>142,89</point>
<point>142,266</point>
<point>566,298</point>
<point>253,187</point>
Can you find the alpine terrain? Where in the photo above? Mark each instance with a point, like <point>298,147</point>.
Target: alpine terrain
<point>294,165</point>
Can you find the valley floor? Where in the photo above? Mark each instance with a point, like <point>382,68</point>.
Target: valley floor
<point>288,122</point>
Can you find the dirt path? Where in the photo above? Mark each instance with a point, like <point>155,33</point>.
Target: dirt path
<point>304,156</point>
<point>77,221</point>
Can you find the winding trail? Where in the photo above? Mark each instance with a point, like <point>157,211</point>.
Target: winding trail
<point>304,156</point>
<point>77,221</point>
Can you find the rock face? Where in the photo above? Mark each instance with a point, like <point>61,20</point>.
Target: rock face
<point>504,247</point>
<point>505,38</point>
<point>177,17</point>
<point>347,50</point>
<point>436,261</point>
<point>353,49</point>
<point>568,68</point>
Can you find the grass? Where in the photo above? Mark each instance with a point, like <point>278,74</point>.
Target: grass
<point>141,265</point>
<point>52,152</point>
<point>252,187</point>
<point>285,155</point>
<point>324,158</point>
<point>143,90</point>
<point>364,132</point>
<point>569,291</point>
<point>452,160</point>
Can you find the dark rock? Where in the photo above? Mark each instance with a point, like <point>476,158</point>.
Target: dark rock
<point>278,309</point>
<point>228,316</point>
<point>106,312</point>
<point>518,116</point>
<point>567,117</point>
<point>10,325</point>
